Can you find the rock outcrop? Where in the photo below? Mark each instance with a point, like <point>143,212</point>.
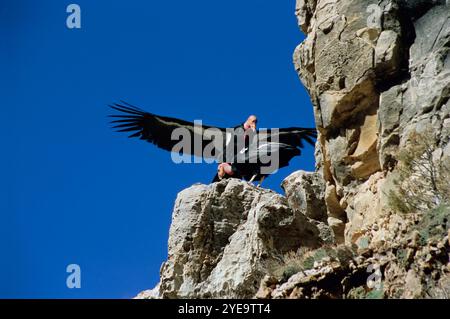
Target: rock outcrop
<point>412,263</point>
<point>378,74</point>
<point>223,235</point>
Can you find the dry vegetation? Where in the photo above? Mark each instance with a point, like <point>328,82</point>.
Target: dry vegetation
<point>423,181</point>
<point>304,258</point>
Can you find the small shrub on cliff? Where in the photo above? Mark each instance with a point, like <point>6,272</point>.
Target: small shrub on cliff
<point>304,259</point>
<point>290,264</point>
<point>363,292</point>
<point>435,224</point>
<point>423,181</point>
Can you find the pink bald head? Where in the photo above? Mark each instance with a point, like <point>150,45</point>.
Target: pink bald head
<point>251,122</point>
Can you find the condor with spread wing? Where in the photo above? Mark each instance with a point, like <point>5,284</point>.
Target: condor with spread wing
<point>242,151</point>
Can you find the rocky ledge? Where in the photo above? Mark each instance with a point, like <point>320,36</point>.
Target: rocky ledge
<point>225,234</point>
<point>234,240</point>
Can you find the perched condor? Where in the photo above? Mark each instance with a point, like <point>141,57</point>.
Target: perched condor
<point>242,151</point>
<point>252,164</point>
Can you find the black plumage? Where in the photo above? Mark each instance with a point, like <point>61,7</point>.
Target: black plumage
<point>254,164</point>
<point>157,129</point>
<point>246,159</point>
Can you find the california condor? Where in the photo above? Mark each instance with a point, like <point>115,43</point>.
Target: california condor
<point>243,151</point>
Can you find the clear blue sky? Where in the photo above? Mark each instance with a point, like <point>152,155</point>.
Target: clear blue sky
<point>73,191</point>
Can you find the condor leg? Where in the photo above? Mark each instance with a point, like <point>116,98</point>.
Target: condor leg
<point>261,181</point>
<point>252,179</point>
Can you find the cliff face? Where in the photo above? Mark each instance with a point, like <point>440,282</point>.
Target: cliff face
<point>378,73</point>
<point>373,220</point>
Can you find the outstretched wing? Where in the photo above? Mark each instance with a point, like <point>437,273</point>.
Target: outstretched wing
<point>169,133</point>
<point>276,155</point>
<point>293,136</point>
